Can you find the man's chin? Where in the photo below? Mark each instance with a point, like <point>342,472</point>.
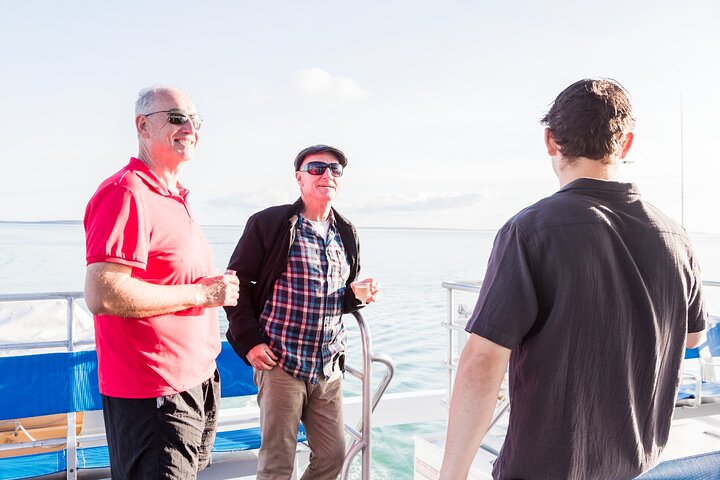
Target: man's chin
<point>185,154</point>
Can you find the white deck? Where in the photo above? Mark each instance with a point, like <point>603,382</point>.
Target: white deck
<point>688,436</point>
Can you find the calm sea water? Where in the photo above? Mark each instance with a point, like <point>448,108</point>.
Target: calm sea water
<point>405,323</point>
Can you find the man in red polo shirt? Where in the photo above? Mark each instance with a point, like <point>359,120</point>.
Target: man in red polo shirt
<point>151,286</point>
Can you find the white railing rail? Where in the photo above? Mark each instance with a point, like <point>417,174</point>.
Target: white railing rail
<point>361,434</point>
<point>70,343</point>
<point>456,312</point>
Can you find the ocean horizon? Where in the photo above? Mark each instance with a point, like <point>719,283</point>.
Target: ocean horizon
<point>359,226</point>
<point>234,225</point>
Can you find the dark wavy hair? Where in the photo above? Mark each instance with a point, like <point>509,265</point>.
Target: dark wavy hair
<point>590,118</point>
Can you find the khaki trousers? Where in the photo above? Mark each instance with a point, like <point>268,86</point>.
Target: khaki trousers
<point>284,401</point>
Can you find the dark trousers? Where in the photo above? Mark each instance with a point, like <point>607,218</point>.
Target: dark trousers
<point>168,437</point>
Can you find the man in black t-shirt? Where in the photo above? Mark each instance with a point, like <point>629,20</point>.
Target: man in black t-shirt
<point>590,296</point>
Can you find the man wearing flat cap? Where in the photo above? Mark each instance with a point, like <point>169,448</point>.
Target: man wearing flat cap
<point>297,265</point>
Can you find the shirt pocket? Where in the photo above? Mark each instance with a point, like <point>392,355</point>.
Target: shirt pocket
<point>340,264</point>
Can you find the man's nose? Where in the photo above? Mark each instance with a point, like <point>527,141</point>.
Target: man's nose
<point>327,173</point>
<point>189,125</point>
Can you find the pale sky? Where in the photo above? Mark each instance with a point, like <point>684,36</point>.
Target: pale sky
<point>436,104</point>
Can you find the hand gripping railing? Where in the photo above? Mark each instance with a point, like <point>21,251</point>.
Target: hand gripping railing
<point>362,432</point>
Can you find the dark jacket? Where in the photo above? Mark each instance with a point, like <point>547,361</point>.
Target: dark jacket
<point>259,259</point>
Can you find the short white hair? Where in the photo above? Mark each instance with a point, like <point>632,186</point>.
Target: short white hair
<point>147,96</point>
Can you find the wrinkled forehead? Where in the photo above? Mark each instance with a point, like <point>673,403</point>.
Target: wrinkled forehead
<point>326,157</point>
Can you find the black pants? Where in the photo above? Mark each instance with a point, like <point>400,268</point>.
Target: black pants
<point>166,437</point>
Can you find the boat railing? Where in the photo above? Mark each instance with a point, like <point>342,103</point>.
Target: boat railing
<point>361,433</point>
<point>457,315</point>
<point>71,342</point>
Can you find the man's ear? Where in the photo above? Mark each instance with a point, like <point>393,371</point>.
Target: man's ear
<point>628,143</point>
<point>141,124</point>
<point>552,147</point>
<point>298,177</point>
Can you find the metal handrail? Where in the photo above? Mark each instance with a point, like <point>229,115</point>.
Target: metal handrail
<point>20,297</point>
<point>362,433</point>
<point>69,343</point>
<point>504,405</point>
<point>451,326</point>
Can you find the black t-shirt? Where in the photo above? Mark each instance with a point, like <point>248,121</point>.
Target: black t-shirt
<point>594,290</point>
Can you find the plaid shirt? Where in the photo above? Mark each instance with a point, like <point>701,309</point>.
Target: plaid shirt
<point>302,318</point>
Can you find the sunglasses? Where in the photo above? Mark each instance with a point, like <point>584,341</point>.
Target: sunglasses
<point>179,117</point>
<point>318,168</point>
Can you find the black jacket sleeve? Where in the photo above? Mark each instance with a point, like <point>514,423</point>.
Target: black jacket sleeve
<point>247,260</point>
<point>350,239</point>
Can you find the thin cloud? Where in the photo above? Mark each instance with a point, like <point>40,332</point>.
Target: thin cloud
<point>317,83</point>
<point>424,202</point>
<point>257,96</point>
<point>249,200</point>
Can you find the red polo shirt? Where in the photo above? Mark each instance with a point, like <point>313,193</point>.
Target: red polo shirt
<point>134,220</point>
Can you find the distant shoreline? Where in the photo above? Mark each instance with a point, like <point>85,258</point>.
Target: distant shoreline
<point>79,222</point>
<point>44,222</point>
<point>440,229</point>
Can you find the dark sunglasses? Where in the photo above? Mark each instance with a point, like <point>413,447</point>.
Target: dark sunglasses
<point>178,117</point>
<point>318,168</point>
